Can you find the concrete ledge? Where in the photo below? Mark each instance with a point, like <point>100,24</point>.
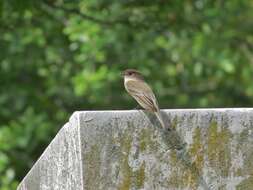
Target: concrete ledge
<point>206,149</point>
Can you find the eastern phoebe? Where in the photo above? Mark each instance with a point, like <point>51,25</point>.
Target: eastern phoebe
<point>136,86</point>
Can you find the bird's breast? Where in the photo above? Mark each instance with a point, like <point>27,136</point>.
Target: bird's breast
<point>128,80</point>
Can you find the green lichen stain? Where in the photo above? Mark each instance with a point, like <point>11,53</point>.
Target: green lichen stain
<point>243,138</point>
<point>145,139</point>
<point>244,135</point>
<point>196,150</point>
<point>174,178</point>
<point>181,176</point>
<point>174,123</point>
<point>146,143</point>
<point>132,178</point>
<point>139,177</point>
<point>246,184</point>
<point>143,144</point>
<point>247,170</point>
<point>185,174</point>
<point>125,143</point>
<point>92,160</point>
<point>222,187</point>
<point>218,149</point>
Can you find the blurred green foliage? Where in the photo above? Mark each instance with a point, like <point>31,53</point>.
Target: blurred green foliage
<point>60,56</point>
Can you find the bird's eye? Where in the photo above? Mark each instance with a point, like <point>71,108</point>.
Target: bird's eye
<point>130,73</point>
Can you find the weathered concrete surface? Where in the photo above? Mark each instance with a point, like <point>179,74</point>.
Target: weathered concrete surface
<point>207,149</point>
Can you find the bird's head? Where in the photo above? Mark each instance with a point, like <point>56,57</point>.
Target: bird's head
<point>132,73</point>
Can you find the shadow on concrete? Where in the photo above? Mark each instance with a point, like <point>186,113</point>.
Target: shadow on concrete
<point>170,136</point>
<point>173,141</point>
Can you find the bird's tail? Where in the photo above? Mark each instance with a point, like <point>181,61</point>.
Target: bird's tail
<point>159,116</point>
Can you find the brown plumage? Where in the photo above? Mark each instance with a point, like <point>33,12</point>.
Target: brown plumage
<point>136,86</point>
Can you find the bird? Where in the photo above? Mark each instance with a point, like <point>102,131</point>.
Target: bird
<point>136,86</point>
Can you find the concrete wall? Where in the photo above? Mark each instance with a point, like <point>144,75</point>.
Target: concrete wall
<point>206,149</point>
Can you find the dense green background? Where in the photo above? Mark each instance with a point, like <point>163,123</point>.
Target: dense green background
<point>60,56</point>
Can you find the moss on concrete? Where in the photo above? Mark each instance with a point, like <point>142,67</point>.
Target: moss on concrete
<point>243,136</point>
<point>139,177</point>
<point>185,172</point>
<point>218,148</point>
<point>196,150</point>
<point>181,176</point>
<point>132,178</point>
<point>174,123</point>
<point>125,143</point>
<point>246,184</point>
<point>145,140</point>
<point>175,177</point>
<point>92,160</point>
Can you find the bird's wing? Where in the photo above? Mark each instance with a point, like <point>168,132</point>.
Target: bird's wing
<point>143,94</point>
